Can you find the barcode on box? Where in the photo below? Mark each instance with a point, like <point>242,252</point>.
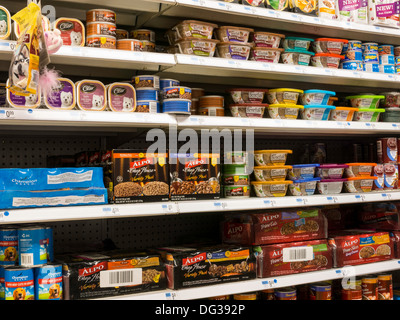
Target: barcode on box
<point>26,259</point>
<point>298,254</point>
<point>117,278</point>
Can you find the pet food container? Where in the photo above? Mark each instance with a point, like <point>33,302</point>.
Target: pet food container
<point>326,60</point>
<point>164,83</point>
<point>297,57</point>
<point>271,173</point>
<point>359,169</point>
<point>371,66</point>
<point>271,157</point>
<point>147,94</point>
<point>316,97</point>
<point>195,29</point>
<point>102,15</point>
<point>129,44</point>
<point>265,54</point>
<point>359,184</point>
<point>270,188</point>
<point>266,39</point>
<point>146,81</point>
<point>385,49</point>
<point>330,186</point>
<point>365,101</point>
<point>197,46</point>
<point>297,43</point>
<point>236,157</point>
<point>391,115</point>
<point>331,171</point>
<point>332,100</point>
<point>284,111</point>
<point>249,110</point>
<point>234,50</point>
<point>177,93</point>
<point>233,34</point>
<point>234,192</point>
<point>235,169</point>
<point>143,34</point>
<point>342,114</point>
<point>176,106</point>
<point>246,95</point>
<point>329,45</point>
<point>303,187</point>
<point>355,65</point>
<point>302,171</point>
<point>317,112</point>
<point>367,115</point>
<point>148,106</point>
<point>391,100</point>
<point>369,47</point>
<point>284,96</point>
<point>353,55</point>
<point>235,180</point>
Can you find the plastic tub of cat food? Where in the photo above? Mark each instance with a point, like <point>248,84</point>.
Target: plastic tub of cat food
<point>284,111</point>
<point>367,115</point>
<point>195,29</point>
<point>359,169</point>
<point>270,188</point>
<point>266,39</point>
<point>265,54</point>
<point>331,171</point>
<point>359,184</point>
<point>392,99</point>
<point>302,171</point>
<point>297,57</point>
<point>271,157</point>
<point>342,114</point>
<point>391,115</point>
<point>316,97</point>
<point>234,50</point>
<point>365,101</point>
<point>271,173</point>
<point>332,100</point>
<point>329,45</point>
<point>316,112</point>
<point>303,187</point>
<point>247,110</point>
<point>330,186</point>
<point>297,43</point>
<point>326,60</point>
<point>197,46</point>
<point>233,34</point>
<point>284,96</point>
<point>247,95</point>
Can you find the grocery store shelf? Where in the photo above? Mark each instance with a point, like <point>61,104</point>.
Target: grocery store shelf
<point>262,283</point>
<point>224,13</point>
<point>29,215</point>
<point>287,127</point>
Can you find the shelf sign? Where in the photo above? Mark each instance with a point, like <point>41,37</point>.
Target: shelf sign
<point>269,283</point>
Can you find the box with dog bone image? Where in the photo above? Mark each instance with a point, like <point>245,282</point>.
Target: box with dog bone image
<point>194,176</point>
<point>138,176</point>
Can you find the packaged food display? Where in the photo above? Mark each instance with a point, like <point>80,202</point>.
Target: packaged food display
<point>247,95</point>
<point>284,96</point>
<point>72,31</point>
<point>365,101</point>
<point>303,187</point>
<point>326,60</point>
<point>316,97</point>
<point>5,23</point>
<point>266,39</point>
<point>197,46</point>
<point>100,15</point>
<point>270,188</point>
<point>302,171</point>
<point>143,34</point>
<point>194,29</point>
<point>304,7</point>
<point>122,97</point>
<point>330,186</point>
<point>359,184</point>
<point>316,112</point>
<point>271,173</point>
<point>63,97</point>
<point>342,114</point>
<point>91,95</point>
<point>297,43</point>
<point>233,50</point>
<point>233,34</point>
<point>297,57</point>
<point>368,115</point>
<point>277,5</point>
<point>271,157</point>
<point>265,54</point>
<point>383,13</point>
<point>328,45</point>
<point>359,169</point>
<point>284,111</point>
<point>352,12</point>
<point>248,110</point>
<point>331,171</point>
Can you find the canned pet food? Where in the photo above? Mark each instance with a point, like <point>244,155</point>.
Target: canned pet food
<point>102,41</point>
<point>147,46</point>
<point>286,294</point>
<point>371,57</point>
<point>48,282</point>
<point>62,97</point>
<point>148,106</point>
<point>143,34</point>
<point>320,291</point>
<point>352,293</point>
<point>146,81</point>
<point>386,59</point>
<point>121,34</point>
<point>164,83</point>
<point>101,28</point>
<point>91,95</point>
<point>5,23</point>
<point>178,106</point>
<point>129,44</point>
<point>177,93</point>
<point>19,284</point>
<point>245,296</point>
<point>100,15</point>
<point>236,191</point>
<point>149,94</point>
<point>72,31</point>
<point>385,49</point>
<point>32,246</point>
<point>211,111</point>
<point>385,287</point>
<point>121,97</point>
<point>369,286</point>
<point>8,246</point>
<point>369,47</point>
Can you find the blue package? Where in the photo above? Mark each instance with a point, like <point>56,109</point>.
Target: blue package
<point>177,106</point>
<point>36,179</point>
<point>353,65</point>
<point>354,54</point>
<point>152,106</point>
<point>164,83</point>
<point>56,198</point>
<point>371,67</point>
<point>316,97</point>
<point>149,94</point>
<point>302,171</point>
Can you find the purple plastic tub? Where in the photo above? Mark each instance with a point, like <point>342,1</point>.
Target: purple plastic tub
<point>331,171</point>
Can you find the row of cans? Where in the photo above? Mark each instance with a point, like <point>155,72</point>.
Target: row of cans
<point>28,246</point>
<point>40,283</point>
<point>371,57</point>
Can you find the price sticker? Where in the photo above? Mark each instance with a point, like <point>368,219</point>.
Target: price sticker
<point>270,203</point>
<point>111,211</point>
<point>332,199</point>
<point>387,196</point>
<point>302,201</point>
<point>269,284</point>
<point>4,215</point>
<point>170,296</point>
<point>7,114</point>
<point>167,208</point>
<point>360,197</point>
<point>220,205</point>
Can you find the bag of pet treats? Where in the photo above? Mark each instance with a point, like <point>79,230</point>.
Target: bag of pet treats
<point>24,68</point>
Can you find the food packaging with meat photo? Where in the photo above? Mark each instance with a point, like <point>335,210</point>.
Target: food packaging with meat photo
<point>380,216</point>
<point>292,258</point>
<point>384,13</point>
<point>138,176</point>
<point>355,247</point>
<point>352,11</point>
<point>194,176</point>
<point>274,227</point>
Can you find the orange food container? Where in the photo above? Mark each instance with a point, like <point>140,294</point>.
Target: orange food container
<point>342,114</point>
<point>101,28</point>
<point>359,169</point>
<point>129,44</point>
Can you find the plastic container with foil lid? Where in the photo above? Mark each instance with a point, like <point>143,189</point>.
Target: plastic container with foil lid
<point>391,115</point>
<point>5,23</point>
<point>284,96</point>
<point>91,95</point>
<point>302,171</point>
<point>271,173</point>
<point>392,99</point>
<point>297,43</point>
<point>101,41</point>
<point>331,171</point>
<point>317,112</point>
<point>342,114</point>
<point>303,187</point>
<point>236,191</point>
<point>284,111</point>
<point>316,97</point>
<point>121,97</point>
<point>233,34</point>
<point>195,29</point>
<point>279,5</point>
<point>197,46</point>
<point>329,45</point>
<point>265,54</point>
<point>101,15</point>
<point>101,28</point>
<point>359,184</point>
<point>247,95</point>
<point>143,34</point>
<point>129,44</point>
<point>266,39</point>
<point>359,169</point>
<point>72,31</point>
<point>297,57</point>
<point>234,50</point>
<point>31,101</point>
<point>326,60</point>
<point>330,186</point>
<point>248,110</point>
<point>365,101</point>
<point>62,98</point>
<point>271,157</point>
<point>368,115</point>
<point>271,188</point>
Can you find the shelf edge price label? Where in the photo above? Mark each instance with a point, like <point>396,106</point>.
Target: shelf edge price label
<point>269,283</point>
<point>360,197</point>
<point>270,203</point>
<point>332,199</point>
<point>220,205</point>
<point>167,208</point>
<point>387,196</point>
<point>7,114</point>
<point>170,296</point>
<point>111,211</point>
<point>3,215</point>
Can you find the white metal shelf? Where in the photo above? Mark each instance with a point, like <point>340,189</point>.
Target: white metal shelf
<point>260,284</point>
<point>109,211</point>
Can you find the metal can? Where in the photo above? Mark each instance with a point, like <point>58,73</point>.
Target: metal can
<point>245,296</point>
<point>369,286</point>
<point>19,283</point>
<point>352,293</point>
<point>320,291</point>
<point>288,293</point>
<point>48,282</point>
<point>32,246</point>
<point>385,287</point>
<point>268,294</point>
<point>8,246</point>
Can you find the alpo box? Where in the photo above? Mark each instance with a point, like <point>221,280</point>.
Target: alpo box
<point>138,176</point>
